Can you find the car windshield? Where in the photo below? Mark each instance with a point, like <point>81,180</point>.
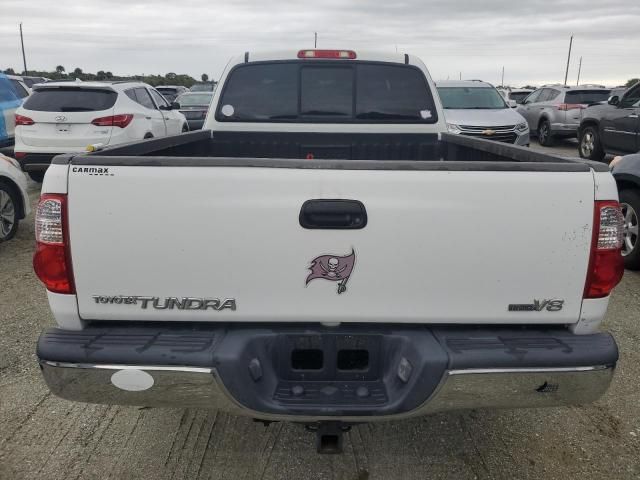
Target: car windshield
<point>70,99</point>
<point>518,96</point>
<point>587,97</point>
<point>194,99</point>
<point>202,87</point>
<point>481,98</point>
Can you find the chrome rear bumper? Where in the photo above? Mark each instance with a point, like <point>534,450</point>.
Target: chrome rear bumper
<point>198,387</point>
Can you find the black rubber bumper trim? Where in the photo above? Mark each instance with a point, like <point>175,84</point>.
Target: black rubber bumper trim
<point>405,365</point>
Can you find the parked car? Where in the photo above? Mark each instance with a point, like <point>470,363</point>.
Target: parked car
<point>171,92</point>
<point>516,95</point>
<point>14,200</point>
<point>194,106</point>
<point>476,109</point>
<point>626,171</point>
<point>554,110</point>
<point>10,99</point>
<point>63,117</point>
<point>301,257</point>
<point>611,128</point>
<point>203,87</point>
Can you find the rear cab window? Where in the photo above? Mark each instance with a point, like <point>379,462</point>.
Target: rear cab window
<point>70,99</point>
<point>326,91</point>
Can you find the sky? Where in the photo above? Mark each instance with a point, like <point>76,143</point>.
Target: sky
<point>467,38</point>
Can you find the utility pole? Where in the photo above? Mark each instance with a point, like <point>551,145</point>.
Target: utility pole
<point>566,75</point>
<point>579,69</point>
<point>502,82</point>
<point>315,39</point>
<point>460,75</point>
<point>24,58</point>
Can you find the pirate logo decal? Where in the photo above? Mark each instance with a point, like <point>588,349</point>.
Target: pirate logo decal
<point>333,268</point>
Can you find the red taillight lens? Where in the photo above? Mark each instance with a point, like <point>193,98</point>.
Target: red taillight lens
<point>19,155</point>
<point>338,54</point>
<point>52,260</point>
<point>606,266</point>
<point>113,121</point>
<point>563,107</point>
<point>22,120</point>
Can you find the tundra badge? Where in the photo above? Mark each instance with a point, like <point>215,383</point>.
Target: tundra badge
<point>169,303</point>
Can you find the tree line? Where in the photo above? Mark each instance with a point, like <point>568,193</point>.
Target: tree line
<point>60,73</point>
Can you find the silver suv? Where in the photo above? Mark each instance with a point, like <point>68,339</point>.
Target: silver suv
<point>555,110</point>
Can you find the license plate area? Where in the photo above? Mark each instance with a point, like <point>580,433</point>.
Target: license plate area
<point>63,128</point>
<point>329,357</point>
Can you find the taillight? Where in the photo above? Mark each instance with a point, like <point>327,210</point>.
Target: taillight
<point>563,107</point>
<point>113,120</point>
<point>22,120</point>
<point>19,155</point>
<point>339,54</point>
<point>52,260</point>
<point>605,264</point>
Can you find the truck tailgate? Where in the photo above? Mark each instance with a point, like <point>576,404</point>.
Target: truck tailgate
<point>438,246</point>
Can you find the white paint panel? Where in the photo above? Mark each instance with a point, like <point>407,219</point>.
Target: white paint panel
<point>441,247</point>
<point>55,180</point>
<point>65,311</point>
<point>591,316</point>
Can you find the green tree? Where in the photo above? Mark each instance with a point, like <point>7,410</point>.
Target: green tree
<point>10,71</point>
<point>632,82</point>
<point>60,69</point>
<point>101,75</point>
<point>204,77</point>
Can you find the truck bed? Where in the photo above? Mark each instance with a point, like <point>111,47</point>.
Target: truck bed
<point>403,151</point>
<point>453,230</point>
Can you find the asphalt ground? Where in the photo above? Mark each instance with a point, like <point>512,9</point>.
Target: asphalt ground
<point>45,437</point>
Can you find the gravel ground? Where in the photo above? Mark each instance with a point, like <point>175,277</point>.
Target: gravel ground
<point>44,437</point>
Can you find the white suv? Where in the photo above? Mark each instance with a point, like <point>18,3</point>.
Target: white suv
<point>66,117</point>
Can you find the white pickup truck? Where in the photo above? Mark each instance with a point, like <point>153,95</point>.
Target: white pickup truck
<point>321,252</point>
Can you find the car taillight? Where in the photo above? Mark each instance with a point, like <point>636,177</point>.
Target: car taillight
<point>563,107</point>
<point>22,120</point>
<point>339,54</point>
<point>19,155</point>
<point>113,120</point>
<point>605,264</point>
<point>52,260</point>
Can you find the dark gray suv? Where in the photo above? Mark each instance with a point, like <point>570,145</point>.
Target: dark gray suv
<point>555,110</point>
<point>611,128</point>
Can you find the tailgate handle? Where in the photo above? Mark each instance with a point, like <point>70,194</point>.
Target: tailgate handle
<point>333,214</point>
